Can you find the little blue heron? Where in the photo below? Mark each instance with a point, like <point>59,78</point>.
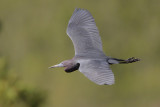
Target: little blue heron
<point>89,58</point>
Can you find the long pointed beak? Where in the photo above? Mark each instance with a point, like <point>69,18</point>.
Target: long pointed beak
<point>58,65</point>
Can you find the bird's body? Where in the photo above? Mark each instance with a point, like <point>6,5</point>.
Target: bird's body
<point>89,57</point>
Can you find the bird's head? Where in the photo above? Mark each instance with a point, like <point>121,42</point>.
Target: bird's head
<point>69,65</point>
<point>66,63</point>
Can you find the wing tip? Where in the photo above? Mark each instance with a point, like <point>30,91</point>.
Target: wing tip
<point>80,9</point>
<point>108,84</point>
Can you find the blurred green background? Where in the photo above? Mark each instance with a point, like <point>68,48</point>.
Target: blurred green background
<point>33,37</point>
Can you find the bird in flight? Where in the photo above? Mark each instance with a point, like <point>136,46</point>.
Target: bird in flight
<point>89,57</point>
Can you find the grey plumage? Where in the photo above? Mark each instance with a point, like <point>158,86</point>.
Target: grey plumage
<point>98,71</point>
<point>84,34</point>
<point>87,43</point>
<point>89,57</point>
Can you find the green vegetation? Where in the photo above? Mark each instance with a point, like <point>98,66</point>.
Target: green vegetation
<point>13,94</point>
<point>33,37</point>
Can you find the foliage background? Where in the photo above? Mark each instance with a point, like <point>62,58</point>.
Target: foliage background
<point>33,37</point>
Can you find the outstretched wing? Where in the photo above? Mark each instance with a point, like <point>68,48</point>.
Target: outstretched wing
<point>83,32</point>
<point>97,71</point>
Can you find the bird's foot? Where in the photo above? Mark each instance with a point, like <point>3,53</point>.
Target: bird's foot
<point>131,60</point>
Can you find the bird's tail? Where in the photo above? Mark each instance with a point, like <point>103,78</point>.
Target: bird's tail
<point>122,61</point>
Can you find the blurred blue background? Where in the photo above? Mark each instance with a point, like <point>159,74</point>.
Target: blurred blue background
<point>33,37</point>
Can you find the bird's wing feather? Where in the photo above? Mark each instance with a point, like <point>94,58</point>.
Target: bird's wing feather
<point>97,71</point>
<point>83,32</point>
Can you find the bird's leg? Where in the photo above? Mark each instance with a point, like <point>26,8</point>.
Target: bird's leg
<point>129,60</point>
<point>122,61</point>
